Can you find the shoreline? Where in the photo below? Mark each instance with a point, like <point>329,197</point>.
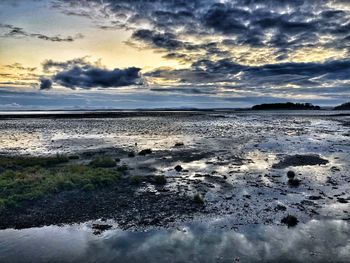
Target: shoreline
<point>81,114</point>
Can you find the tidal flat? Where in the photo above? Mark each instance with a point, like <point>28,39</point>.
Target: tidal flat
<point>248,186</point>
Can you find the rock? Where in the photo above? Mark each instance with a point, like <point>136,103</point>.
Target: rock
<point>198,199</point>
<point>73,157</point>
<point>290,174</point>
<point>342,200</point>
<point>300,160</point>
<point>179,144</point>
<point>131,154</point>
<point>290,221</point>
<point>178,168</point>
<point>145,152</point>
<point>331,181</point>
<point>280,208</point>
<point>101,227</point>
<point>314,197</point>
<point>335,169</point>
<point>294,182</point>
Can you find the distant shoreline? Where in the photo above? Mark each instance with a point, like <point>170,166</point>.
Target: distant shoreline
<point>66,114</point>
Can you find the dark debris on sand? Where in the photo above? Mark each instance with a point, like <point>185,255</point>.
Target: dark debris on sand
<point>120,202</point>
<point>300,160</point>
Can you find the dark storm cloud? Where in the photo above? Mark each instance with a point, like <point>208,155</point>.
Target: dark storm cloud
<point>45,84</point>
<point>51,65</point>
<point>81,73</point>
<point>13,31</point>
<point>279,24</point>
<point>167,40</point>
<point>226,19</point>
<point>205,34</point>
<point>265,78</point>
<point>331,70</point>
<point>187,90</point>
<point>90,77</point>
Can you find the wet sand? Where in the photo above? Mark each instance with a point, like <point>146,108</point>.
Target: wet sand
<point>238,162</point>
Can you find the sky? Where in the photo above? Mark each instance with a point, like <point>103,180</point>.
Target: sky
<point>128,54</point>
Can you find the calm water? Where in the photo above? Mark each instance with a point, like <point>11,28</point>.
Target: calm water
<point>316,241</point>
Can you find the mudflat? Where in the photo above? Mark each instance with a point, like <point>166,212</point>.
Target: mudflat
<point>163,169</point>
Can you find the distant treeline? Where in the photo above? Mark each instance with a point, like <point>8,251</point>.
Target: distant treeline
<point>286,106</point>
<point>344,106</point>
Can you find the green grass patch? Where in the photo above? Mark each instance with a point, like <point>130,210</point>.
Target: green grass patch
<point>135,180</point>
<point>103,162</point>
<point>160,179</point>
<point>35,182</point>
<point>18,162</point>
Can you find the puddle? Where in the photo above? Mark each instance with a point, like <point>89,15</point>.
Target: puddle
<point>316,241</point>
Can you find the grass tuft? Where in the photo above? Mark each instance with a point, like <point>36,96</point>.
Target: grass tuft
<point>23,162</point>
<point>135,180</point>
<point>103,162</point>
<point>198,199</point>
<point>160,179</point>
<point>30,183</point>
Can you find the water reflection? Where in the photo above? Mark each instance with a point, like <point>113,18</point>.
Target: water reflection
<point>316,241</point>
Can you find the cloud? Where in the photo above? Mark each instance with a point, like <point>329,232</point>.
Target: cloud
<point>284,26</point>
<point>19,67</point>
<point>45,84</point>
<point>83,74</point>
<point>165,40</point>
<point>225,77</point>
<point>51,65</point>
<point>257,48</point>
<point>18,32</point>
<point>225,19</point>
<point>90,77</point>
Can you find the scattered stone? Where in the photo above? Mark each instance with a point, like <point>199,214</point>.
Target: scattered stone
<point>280,208</point>
<point>294,182</point>
<point>314,197</point>
<point>101,227</point>
<point>198,199</point>
<point>342,200</point>
<point>145,152</point>
<point>300,160</point>
<point>290,221</point>
<point>178,168</point>
<point>228,197</point>
<point>335,169</point>
<point>73,157</point>
<point>331,181</point>
<point>290,174</point>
